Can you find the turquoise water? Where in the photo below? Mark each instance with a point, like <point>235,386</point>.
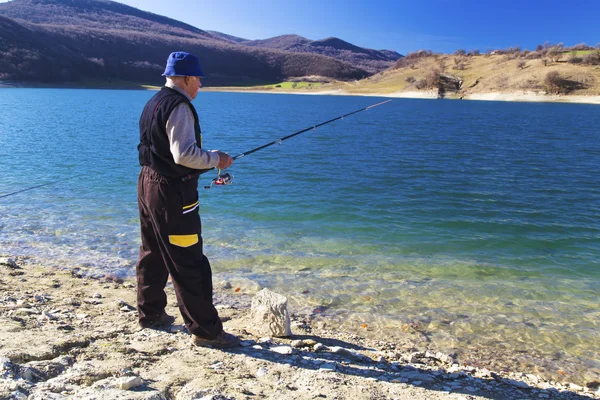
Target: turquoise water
<point>468,227</point>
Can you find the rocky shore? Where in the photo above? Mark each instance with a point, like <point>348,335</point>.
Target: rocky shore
<point>64,335</point>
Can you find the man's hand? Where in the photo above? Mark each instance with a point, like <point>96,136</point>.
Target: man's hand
<point>225,160</point>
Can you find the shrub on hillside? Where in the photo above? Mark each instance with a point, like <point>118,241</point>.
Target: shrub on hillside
<point>581,47</point>
<point>554,83</point>
<point>433,78</point>
<point>410,79</point>
<point>521,64</point>
<point>574,59</point>
<point>555,52</point>
<point>591,58</point>
<point>421,84</point>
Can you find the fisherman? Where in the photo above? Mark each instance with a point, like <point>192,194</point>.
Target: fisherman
<point>172,158</point>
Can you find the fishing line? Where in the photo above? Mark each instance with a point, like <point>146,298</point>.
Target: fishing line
<point>37,186</point>
<point>227,178</point>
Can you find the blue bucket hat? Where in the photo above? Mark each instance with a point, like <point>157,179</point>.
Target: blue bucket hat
<point>181,63</point>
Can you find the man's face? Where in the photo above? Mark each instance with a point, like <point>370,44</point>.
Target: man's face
<point>192,85</point>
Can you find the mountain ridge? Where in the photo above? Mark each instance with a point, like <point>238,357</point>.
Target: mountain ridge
<point>109,40</point>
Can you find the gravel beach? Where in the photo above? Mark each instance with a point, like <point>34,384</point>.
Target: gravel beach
<point>64,335</point>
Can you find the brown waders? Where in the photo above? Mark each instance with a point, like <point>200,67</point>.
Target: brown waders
<point>172,245</point>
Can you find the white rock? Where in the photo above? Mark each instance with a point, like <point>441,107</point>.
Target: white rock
<point>282,349</point>
<point>349,352</point>
<point>47,316</point>
<point>216,365</point>
<point>262,371</point>
<point>257,347</point>
<point>270,314</point>
<point>443,357</point>
<point>575,387</point>
<point>128,382</point>
<point>319,347</point>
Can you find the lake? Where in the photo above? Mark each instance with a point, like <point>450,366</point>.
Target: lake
<point>467,227</point>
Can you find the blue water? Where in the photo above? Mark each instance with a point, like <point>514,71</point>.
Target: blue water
<point>467,227</point>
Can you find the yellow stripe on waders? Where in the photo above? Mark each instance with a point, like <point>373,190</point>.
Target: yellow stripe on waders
<point>183,240</point>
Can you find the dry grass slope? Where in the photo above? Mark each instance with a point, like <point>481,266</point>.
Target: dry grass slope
<point>478,77</point>
<point>483,74</point>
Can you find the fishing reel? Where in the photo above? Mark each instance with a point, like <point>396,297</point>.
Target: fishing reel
<point>222,179</point>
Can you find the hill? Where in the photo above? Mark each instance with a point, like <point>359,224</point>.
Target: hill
<point>372,61</point>
<point>229,38</point>
<point>568,75</point>
<point>461,76</point>
<point>102,40</point>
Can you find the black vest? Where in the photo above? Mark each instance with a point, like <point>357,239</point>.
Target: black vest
<point>154,148</point>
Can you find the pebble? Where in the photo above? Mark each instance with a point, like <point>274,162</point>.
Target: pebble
<point>349,352</point>
<point>327,368</point>
<point>128,382</point>
<point>303,343</point>
<point>47,316</point>
<point>286,350</point>
<point>515,383</point>
<point>319,347</point>
<point>226,285</point>
<point>9,262</point>
<point>575,387</point>
<point>216,365</point>
<point>262,371</point>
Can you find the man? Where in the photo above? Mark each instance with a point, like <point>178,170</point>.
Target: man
<point>172,158</point>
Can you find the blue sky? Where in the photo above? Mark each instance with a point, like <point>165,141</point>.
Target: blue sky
<point>404,26</point>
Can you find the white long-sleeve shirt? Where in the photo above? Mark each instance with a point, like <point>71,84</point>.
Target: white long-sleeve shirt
<point>182,137</point>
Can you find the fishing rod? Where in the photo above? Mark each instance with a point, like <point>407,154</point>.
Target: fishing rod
<point>223,179</point>
<point>226,178</point>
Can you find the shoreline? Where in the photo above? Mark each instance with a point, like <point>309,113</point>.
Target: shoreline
<point>432,95</point>
<point>65,335</point>
<point>515,96</point>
